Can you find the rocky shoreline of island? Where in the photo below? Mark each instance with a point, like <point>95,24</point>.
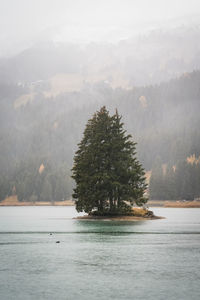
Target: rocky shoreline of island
<point>138,214</point>
<point>117,218</point>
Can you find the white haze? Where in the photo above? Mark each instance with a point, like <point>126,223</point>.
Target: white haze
<point>24,22</point>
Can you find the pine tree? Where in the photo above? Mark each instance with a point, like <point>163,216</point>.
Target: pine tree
<point>169,187</point>
<point>156,181</point>
<point>108,176</point>
<point>46,194</point>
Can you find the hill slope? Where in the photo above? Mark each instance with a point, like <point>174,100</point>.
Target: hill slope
<point>164,119</point>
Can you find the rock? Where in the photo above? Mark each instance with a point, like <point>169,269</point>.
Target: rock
<point>149,214</point>
<point>57,242</point>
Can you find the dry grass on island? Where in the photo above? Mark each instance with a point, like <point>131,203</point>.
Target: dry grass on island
<point>139,214</point>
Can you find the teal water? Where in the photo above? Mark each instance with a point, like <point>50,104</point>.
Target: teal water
<point>158,259</point>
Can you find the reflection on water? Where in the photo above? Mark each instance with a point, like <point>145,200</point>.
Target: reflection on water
<point>156,259</point>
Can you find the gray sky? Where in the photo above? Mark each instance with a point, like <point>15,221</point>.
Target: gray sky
<point>23,22</point>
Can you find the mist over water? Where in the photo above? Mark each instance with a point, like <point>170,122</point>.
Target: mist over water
<point>157,259</point>
<point>60,61</point>
<point>72,64</point>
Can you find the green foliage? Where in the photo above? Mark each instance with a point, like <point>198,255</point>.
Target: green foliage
<point>156,180</point>
<point>106,170</point>
<point>46,193</point>
<point>5,187</point>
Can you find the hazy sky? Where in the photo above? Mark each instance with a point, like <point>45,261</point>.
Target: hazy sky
<point>25,21</point>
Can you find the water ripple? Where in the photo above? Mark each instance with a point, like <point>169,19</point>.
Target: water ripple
<point>100,232</point>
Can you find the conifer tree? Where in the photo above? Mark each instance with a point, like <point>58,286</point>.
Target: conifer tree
<point>156,184</point>
<point>46,194</point>
<point>108,176</point>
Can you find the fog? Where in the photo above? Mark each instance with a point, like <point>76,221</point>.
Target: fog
<point>99,149</point>
<point>25,22</point>
<point>60,61</point>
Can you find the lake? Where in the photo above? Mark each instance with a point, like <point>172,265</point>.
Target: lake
<point>158,259</point>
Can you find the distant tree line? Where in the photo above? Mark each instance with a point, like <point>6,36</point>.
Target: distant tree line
<point>38,182</point>
<point>181,181</point>
<point>163,119</point>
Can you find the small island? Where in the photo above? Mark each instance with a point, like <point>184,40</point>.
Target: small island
<point>109,178</point>
<point>138,214</point>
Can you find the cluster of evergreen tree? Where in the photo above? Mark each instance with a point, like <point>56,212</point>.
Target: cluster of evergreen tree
<point>106,170</point>
<point>180,181</point>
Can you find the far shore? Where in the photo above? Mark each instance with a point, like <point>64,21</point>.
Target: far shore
<point>13,201</point>
<point>174,203</point>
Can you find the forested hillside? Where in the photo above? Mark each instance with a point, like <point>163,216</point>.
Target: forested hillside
<point>150,58</point>
<point>39,137</point>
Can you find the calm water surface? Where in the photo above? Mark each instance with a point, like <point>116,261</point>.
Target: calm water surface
<point>158,259</point>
